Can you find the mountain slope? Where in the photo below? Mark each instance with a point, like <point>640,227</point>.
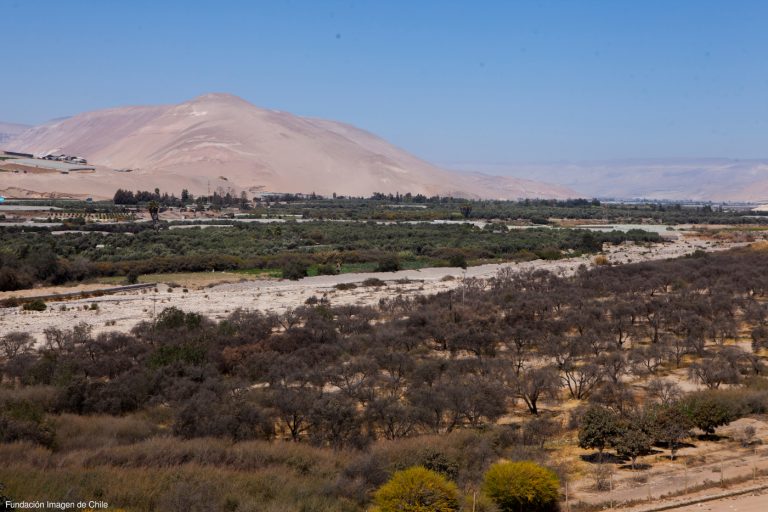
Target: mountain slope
<point>219,140</point>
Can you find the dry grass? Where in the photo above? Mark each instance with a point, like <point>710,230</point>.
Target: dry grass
<point>171,475</point>
<point>75,432</point>
<point>184,489</point>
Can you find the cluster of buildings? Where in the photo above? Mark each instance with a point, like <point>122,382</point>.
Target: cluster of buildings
<point>66,158</point>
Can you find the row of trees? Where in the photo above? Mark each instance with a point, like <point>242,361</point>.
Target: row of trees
<point>219,199</point>
<point>403,207</point>
<point>666,419</point>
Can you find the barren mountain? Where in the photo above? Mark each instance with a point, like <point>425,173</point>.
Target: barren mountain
<point>219,140</point>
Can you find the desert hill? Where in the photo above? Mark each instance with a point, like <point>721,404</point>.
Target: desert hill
<point>219,140</point>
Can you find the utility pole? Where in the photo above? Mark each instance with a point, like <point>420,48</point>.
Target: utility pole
<point>722,477</point>
<point>754,465</point>
<point>611,489</point>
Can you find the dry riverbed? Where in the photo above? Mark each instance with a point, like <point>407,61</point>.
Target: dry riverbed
<point>121,311</point>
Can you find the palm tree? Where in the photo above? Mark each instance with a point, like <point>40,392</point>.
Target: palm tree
<point>154,211</point>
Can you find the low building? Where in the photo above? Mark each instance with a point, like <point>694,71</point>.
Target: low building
<point>17,154</point>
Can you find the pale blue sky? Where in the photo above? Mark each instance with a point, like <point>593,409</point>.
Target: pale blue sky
<point>494,81</point>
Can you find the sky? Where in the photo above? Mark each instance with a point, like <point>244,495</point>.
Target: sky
<point>453,82</point>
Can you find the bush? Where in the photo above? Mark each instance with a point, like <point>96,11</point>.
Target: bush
<point>417,489</point>
<point>132,277</point>
<point>457,260</point>
<point>515,486</point>
<point>24,421</point>
<point>10,302</point>
<point>35,305</point>
<point>327,269</point>
<point>389,263</point>
<point>549,253</point>
<point>294,270</point>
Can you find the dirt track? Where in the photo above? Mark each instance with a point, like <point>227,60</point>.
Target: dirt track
<point>732,464</point>
<point>747,497</point>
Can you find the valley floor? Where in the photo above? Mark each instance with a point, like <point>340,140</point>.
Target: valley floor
<point>121,311</point>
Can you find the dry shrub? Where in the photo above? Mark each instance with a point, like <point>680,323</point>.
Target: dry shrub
<point>75,432</point>
<point>462,455</point>
<point>43,396</point>
<point>25,453</point>
<point>185,496</point>
<point>185,487</point>
<point>601,476</point>
<point>160,452</point>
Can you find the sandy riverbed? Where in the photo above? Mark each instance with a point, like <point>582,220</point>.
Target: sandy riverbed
<point>121,311</point>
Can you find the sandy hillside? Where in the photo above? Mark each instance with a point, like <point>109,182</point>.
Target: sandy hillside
<point>225,141</point>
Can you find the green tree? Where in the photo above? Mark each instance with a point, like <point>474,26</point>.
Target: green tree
<point>417,489</point>
<point>599,427</point>
<point>708,411</point>
<point>632,441</point>
<point>522,486</point>
<point>154,212</point>
<point>671,425</point>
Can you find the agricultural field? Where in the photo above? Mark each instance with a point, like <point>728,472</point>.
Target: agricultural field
<point>35,255</point>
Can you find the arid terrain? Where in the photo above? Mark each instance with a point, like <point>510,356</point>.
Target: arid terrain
<point>384,257</point>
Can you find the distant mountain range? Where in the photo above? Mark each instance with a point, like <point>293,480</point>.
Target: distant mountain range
<point>716,179</point>
<point>221,141</point>
<point>11,130</point>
